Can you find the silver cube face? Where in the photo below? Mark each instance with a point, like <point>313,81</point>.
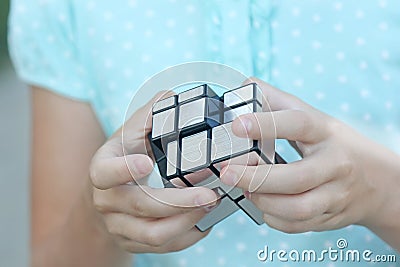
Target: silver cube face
<point>195,160</point>
<point>242,95</point>
<point>172,158</point>
<point>224,143</point>
<point>163,123</point>
<point>194,152</point>
<point>192,113</point>
<point>190,94</point>
<point>164,104</point>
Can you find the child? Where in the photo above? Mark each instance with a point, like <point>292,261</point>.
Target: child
<point>84,59</point>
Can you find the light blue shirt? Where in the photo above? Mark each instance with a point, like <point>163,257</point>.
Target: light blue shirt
<point>343,57</point>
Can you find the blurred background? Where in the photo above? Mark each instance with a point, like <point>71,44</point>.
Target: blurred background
<point>14,158</point>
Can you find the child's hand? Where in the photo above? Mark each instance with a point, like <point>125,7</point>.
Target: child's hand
<point>138,216</point>
<point>344,178</point>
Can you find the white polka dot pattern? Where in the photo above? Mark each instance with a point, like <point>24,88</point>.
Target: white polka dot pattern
<point>341,56</point>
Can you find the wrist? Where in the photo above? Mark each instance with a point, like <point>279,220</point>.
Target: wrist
<point>383,214</point>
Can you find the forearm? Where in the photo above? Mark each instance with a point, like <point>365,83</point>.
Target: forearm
<point>384,219</point>
<point>65,229</point>
<point>79,240</point>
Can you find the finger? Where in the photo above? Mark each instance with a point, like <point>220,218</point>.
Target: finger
<point>294,227</point>
<point>109,166</point>
<point>135,130</point>
<point>299,207</point>
<point>197,177</point>
<point>249,159</point>
<point>185,240</point>
<point>143,115</point>
<point>179,243</point>
<point>108,172</point>
<point>296,125</point>
<point>154,233</point>
<point>278,99</point>
<point>144,201</point>
<point>293,178</point>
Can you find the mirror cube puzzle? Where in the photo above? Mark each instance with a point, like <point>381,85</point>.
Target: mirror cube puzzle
<point>192,137</point>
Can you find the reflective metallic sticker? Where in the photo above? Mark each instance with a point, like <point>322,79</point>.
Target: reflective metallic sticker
<point>239,95</point>
<point>163,123</point>
<point>192,113</point>
<point>194,151</point>
<point>172,157</point>
<point>192,93</point>
<point>164,103</point>
<point>225,143</point>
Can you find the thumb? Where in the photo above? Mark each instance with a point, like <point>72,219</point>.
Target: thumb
<point>141,119</point>
<point>107,172</point>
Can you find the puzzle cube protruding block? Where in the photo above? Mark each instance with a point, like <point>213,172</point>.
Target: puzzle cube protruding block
<point>192,136</point>
<point>165,104</point>
<point>242,95</point>
<point>164,125</point>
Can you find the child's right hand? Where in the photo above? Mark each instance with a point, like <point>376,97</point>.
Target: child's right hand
<point>139,217</point>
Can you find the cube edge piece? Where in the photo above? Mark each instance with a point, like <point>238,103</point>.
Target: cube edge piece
<point>170,101</point>
<point>253,106</point>
<point>224,209</point>
<point>170,160</point>
<point>165,115</point>
<point>251,210</point>
<point>204,91</point>
<point>238,99</point>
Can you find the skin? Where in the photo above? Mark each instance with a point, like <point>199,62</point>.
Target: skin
<point>85,214</point>
<point>344,178</point>
<point>142,219</point>
<point>66,230</point>
<point>76,224</point>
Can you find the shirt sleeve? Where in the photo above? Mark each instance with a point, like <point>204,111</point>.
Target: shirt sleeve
<point>43,47</point>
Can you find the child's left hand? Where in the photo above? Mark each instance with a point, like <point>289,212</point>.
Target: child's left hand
<point>344,178</point>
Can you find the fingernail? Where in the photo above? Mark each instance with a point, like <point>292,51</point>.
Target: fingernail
<point>229,177</point>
